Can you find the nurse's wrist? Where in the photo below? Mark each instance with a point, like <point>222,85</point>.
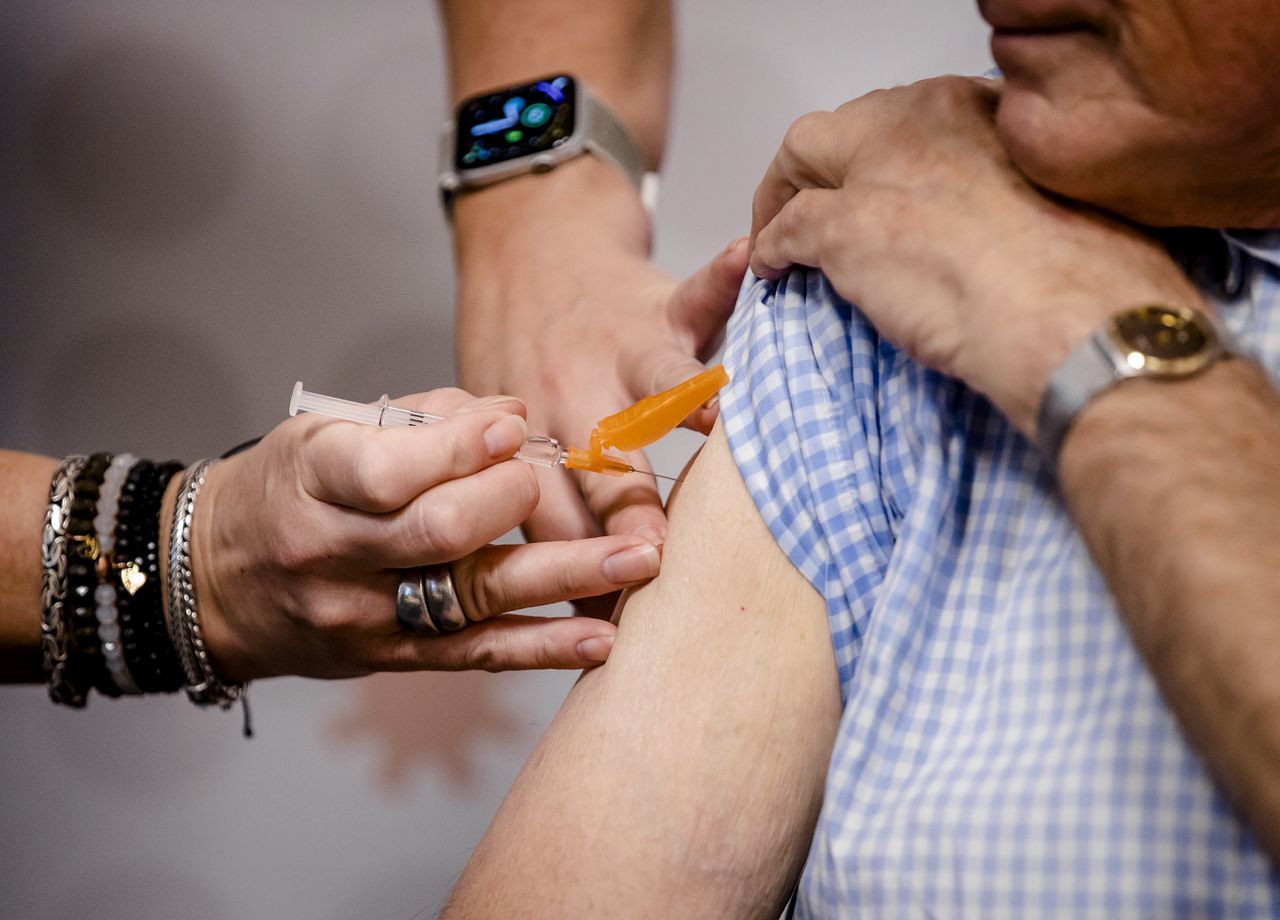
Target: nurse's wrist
<point>584,196</point>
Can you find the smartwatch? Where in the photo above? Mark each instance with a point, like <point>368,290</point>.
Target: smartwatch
<point>1150,341</point>
<point>531,128</point>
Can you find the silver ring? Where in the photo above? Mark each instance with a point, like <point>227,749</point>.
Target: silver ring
<point>411,605</point>
<point>443,605</point>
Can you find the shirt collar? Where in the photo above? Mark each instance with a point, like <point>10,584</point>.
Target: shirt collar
<point>1218,260</point>
<point>1263,245</point>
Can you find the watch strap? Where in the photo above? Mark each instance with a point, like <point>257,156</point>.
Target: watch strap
<point>1097,364</point>
<point>609,139</point>
<point>1084,373</point>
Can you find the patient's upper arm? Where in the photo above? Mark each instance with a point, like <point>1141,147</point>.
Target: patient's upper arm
<point>683,778</point>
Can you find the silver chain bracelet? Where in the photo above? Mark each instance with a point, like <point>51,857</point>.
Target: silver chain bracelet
<point>54,637</point>
<point>203,685</point>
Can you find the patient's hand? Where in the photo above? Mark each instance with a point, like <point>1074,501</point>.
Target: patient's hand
<point>559,305</point>
<point>908,202</point>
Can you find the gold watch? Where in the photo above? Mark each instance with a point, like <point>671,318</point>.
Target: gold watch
<point>1155,340</point>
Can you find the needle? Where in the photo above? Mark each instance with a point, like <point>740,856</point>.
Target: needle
<point>660,476</point>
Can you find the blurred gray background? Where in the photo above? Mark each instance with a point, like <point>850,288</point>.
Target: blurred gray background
<point>204,202</point>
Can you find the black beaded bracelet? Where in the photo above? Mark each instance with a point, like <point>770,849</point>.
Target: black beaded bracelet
<point>85,665</point>
<point>135,609</point>
<point>148,651</point>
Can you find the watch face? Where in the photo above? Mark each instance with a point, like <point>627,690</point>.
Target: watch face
<point>1161,339</point>
<point>515,122</point>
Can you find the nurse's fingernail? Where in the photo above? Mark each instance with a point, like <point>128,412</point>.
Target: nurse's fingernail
<point>504,437</point>
<point>634,564</point>
<point>596,649</point>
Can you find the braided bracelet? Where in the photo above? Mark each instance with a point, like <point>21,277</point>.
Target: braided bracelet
<point>54,634</point>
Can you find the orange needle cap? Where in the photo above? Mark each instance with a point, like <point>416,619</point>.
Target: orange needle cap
<point>645,422</point>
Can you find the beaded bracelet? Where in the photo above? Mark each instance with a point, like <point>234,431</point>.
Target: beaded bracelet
<point>131,529</point>
<point>100,550</point>
<point>55,638</point>
<point>107,612</point>
<point>148,652</point>
<point>103,622</point>
<point>82,577</point>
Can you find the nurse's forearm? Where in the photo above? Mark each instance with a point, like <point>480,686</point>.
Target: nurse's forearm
<point>24,496</point>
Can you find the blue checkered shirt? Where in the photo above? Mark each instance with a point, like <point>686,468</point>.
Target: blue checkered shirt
<point>1003,752</point>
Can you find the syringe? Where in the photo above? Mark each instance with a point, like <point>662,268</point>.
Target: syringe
<point>635,427</point>
<point>537,450</point>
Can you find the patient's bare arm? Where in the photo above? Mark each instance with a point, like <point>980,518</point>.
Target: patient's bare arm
<point>682,779</point>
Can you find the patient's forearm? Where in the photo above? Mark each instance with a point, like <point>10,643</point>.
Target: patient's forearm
<point>682,779</point>
<point>1176,489</point>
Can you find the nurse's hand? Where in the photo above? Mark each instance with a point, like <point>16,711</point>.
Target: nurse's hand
<point>298,546</point>
<point>559,304</point>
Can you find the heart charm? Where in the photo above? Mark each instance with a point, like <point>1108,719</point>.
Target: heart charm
<point>132,578</point>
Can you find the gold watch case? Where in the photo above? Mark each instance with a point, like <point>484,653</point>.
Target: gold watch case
<point>1164,341</point>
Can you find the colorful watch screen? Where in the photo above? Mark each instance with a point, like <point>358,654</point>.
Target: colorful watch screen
<point>516,122</point>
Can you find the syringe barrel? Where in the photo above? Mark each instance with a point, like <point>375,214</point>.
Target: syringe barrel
<point>380,413</point>
<point>541,451</point>
<point>538,450</point>
<point>332,406</point>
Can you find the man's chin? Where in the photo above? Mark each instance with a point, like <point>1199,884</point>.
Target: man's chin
<point>1075,155</point>
<point>1040,141</point>
<point>1112,153</point>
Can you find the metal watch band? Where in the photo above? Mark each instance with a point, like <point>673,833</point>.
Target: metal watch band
<point>1086,371</point>
<point>1098,363</point>
<point>612,142</point>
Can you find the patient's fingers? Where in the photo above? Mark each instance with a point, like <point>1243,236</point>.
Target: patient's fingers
<point>813,155</point>
<point>797,234</point>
